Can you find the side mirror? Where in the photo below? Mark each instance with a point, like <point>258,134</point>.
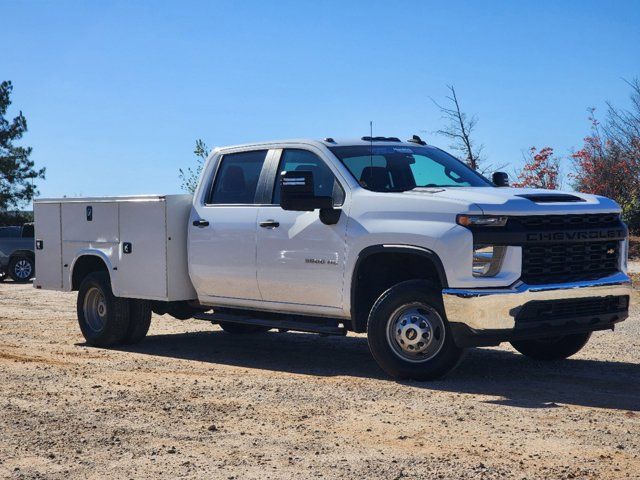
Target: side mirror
<point>297,193</point>
<point>500,179</point>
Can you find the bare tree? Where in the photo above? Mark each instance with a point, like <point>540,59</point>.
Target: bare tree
<point>459,129</point>
<point>623,125</point>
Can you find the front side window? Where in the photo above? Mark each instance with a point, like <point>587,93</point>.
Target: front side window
<point>9,232</point>
<point>401,168</point>
<point>325,183</point>
<point>236,181</point>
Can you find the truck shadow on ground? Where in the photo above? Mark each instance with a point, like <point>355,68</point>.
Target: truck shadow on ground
<point>521,382</point>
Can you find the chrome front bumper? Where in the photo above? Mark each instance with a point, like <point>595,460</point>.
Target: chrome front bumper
<point>496,309</point>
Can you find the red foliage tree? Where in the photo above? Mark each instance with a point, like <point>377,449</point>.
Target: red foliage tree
<point>609,162</point>
<point>541,170</point>
<point>604,166</point>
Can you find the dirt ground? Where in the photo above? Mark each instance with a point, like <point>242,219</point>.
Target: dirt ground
<point>193,402</point>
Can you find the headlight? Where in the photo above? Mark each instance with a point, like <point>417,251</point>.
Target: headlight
<point>481,221</point>
<point>487,260</point>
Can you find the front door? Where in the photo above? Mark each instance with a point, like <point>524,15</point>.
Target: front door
<point>222,236</point>
<point>300,259</point>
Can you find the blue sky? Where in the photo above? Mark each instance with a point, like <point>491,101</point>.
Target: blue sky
<point>116,93</point>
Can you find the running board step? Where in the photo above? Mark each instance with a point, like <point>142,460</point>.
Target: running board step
<point>298,323</point>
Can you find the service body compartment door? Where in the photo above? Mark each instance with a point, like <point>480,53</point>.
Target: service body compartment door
<point>142,253</point>
<point>95,222</point>
<point>91,226</point>
<point>48,246</point>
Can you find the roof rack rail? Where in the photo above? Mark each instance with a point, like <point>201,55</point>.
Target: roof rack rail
<point>417,139</point>
<point>380,139</point>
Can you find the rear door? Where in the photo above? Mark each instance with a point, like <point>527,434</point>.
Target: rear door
<point>300,259</point>
<point>222,229</point>
<point>48,235</point>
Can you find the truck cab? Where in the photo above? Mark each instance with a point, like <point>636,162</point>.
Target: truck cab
<point>398,240</point>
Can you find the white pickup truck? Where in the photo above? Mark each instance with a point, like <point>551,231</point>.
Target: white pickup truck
<point>396,239</point>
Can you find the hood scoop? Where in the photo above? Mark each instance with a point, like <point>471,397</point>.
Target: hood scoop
<point>551,197</point>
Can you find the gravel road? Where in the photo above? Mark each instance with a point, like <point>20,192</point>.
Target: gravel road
<point>193,402</point>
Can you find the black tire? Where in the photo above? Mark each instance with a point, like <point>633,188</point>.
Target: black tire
<point>393,312</point>
<point>109,327</point>
<point>139,321</point>
<point>22,268</point>
<point>240,329</point>
<point>182,311</point>
<point>553,348</point>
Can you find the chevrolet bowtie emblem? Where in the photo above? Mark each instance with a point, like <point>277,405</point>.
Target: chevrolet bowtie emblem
<point>611,251</point>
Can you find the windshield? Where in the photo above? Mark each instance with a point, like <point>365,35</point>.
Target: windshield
<point>399,168</point>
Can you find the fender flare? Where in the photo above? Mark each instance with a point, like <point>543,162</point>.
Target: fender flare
<point>88,252</point>
<point>23,251</point>
<point>393,248</point>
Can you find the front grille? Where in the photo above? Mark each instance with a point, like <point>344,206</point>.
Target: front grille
<point>574,308</point>
<point>565,222</point>
<point>569,262</point>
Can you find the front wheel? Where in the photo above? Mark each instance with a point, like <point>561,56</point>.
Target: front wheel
<point>409,335</point>
<point>552,348</point>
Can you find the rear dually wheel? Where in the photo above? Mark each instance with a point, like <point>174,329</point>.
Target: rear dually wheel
<point>103,317</point>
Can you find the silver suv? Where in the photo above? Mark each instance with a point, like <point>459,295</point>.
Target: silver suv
<point>17,253</point>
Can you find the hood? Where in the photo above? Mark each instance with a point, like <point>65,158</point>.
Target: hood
<point>521,201</point>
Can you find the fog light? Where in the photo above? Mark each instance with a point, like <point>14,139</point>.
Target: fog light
<point>487,260</point>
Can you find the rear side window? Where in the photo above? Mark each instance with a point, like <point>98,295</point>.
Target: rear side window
<point>27,231</point>
<point>236,181</point>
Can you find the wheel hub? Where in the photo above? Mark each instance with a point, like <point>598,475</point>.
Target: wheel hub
<point>413,332</point>
<point>23,269</point>
<point>95,309</point>
<point>416,332</point>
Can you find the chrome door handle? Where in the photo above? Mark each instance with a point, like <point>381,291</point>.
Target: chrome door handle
<point>201,223</point>
<point>269,224</point>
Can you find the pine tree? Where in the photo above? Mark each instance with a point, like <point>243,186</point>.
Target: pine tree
<point>17,171</point>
